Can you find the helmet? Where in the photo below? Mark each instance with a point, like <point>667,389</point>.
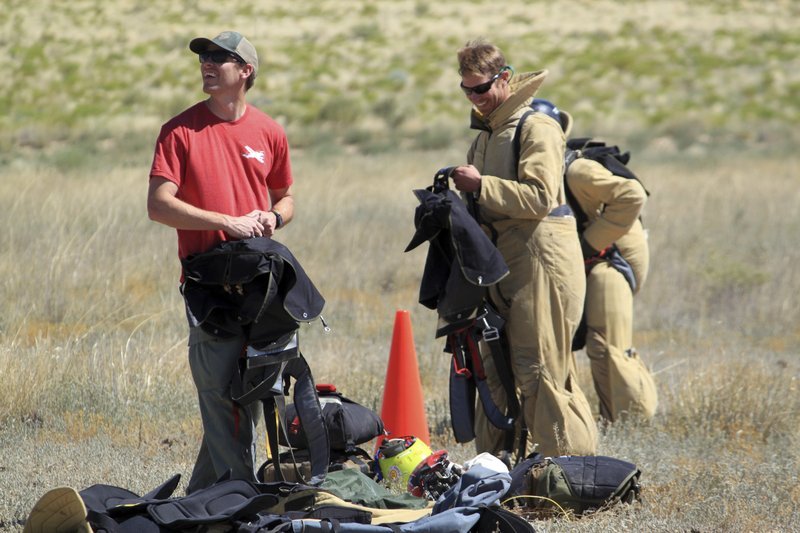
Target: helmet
<point>433,476</point>
<point>398,457</point>
<point>549,108</point>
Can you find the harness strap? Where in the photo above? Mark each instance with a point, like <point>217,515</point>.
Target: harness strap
<point>306,401</point>
<point>309,412</point>
<point>495,339</point>
<point>522,445</point>
<point>467,367</point>
<point>462,392</point>
<point>460,362</point>
<point>271,424</point>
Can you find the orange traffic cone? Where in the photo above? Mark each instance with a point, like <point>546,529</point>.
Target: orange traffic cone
<point>403,409</point>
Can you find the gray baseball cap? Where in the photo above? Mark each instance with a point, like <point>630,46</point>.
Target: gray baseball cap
<point>231,41</point>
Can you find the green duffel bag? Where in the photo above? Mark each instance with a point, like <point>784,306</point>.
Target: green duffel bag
<point>575,484</point>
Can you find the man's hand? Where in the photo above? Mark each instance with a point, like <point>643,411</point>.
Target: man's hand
<point>245,226</point>
<point>466,178</point>
<point>268,221</point>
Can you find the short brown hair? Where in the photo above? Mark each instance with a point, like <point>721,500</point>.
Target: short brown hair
<point>480,57</point>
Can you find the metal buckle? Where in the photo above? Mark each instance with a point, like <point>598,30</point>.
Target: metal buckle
<point>490,333</point>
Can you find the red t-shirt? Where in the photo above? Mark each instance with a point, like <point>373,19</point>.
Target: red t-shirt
<point>226,167</point>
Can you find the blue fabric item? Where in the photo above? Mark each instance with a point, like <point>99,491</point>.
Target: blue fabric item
<point>622,266</point>
<point>458,509</point>
<point>478,486</point>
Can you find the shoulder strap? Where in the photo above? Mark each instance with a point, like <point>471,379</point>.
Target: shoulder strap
<point>570,156</point>
<point>493,334</point>
<point>517,134</point>
<point>581,218</point>
<point>308,407</point>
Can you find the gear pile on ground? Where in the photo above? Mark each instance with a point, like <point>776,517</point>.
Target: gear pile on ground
<point>477,496</point>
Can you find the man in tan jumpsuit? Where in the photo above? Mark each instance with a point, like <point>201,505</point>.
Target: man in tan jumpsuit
<point>612,205</point>
<point>542,297</point>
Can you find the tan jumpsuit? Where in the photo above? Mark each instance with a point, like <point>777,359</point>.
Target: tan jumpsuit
<point>613,205</point>
<point>542,297</point>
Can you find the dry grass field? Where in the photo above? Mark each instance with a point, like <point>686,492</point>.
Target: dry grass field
<point>92,334</point>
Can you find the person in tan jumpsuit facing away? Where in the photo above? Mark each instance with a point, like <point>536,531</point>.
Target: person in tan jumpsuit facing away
<point>524,205</point>
<point>612,206</point>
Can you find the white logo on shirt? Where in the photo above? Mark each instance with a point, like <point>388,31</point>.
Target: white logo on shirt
<point>252,154</point>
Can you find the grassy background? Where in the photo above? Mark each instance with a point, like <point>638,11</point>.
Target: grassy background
<point>92,78</point>
<point>92,335</point>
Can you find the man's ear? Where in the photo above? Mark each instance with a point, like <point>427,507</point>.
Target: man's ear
<point>247,70</point>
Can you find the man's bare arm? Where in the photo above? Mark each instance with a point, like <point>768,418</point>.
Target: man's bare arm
<point>164,207</point>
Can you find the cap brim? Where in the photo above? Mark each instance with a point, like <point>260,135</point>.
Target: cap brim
<point>201,44</point>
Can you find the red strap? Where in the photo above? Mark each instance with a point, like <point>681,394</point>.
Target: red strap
<point>474,354</point>
<point>590,262</point>
<point>455,348</point>
<point>477,363</point>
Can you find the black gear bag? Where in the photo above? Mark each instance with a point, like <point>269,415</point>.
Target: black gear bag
<point>349,423</point>
<point>575,484</point>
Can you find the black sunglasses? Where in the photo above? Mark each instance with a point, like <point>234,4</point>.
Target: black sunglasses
<point>219,57</point>
<point>482,87</point>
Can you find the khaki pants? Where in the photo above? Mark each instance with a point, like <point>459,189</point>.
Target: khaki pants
<point>542,302</point>
<point>622,381</point>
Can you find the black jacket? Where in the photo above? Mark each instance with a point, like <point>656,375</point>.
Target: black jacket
<point>462,261</point>
<point>253,287</point>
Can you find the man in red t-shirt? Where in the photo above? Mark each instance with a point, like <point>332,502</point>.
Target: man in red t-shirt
<point>221,171</point>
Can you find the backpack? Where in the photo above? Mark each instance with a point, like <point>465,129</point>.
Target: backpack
<point>611,157</point>
<point>576,484</point>
<point>348,423</point>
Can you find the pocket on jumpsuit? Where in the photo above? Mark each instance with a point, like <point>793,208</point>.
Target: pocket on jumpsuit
<point>633,388</point>
<point>569,409</point>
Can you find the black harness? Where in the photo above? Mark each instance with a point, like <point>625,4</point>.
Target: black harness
<point>256,288</point>
<point>462,263</point>
<point>467,375</point>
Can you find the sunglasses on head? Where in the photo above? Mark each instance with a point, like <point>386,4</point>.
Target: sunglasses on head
<point>219,57</point>
<point>482,87</point>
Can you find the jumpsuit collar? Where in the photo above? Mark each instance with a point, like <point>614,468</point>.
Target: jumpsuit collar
<point>524,87</point>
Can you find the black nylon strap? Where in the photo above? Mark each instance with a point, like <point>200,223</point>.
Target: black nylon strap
<point>494,337</point>
<point>306,400</point>
<point>271,424</point>
<point>468,365</point>
<point>280,403</point>
<point>462,395</point>
<point>517,134</point>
